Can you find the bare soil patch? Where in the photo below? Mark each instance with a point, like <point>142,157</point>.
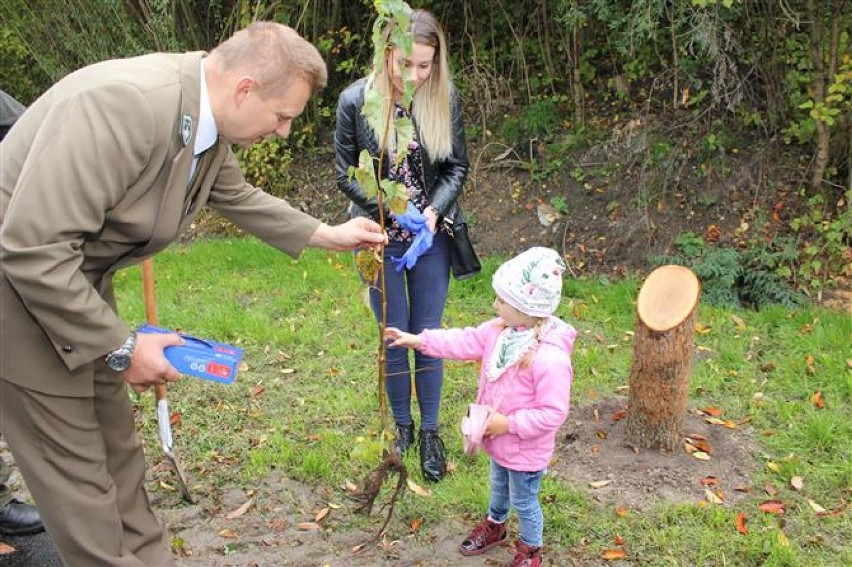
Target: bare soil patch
<point>592,448</point>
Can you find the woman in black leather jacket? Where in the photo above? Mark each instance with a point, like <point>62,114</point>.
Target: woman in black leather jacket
<point>433,173</point>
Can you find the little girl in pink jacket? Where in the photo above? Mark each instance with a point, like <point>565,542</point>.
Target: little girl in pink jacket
<point>525,380</point>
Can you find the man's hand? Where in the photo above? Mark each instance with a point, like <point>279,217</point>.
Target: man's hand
<point>149,365</point>
<point>401,338</point>
<point>359,232</point>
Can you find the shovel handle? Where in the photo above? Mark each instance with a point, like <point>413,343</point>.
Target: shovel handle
<point>150,295</point>
<point>149,292</point>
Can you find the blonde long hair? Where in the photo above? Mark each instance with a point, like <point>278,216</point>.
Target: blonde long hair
<point>431,105</point>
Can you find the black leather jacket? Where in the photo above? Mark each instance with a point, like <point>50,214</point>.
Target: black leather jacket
<point>444,178</point>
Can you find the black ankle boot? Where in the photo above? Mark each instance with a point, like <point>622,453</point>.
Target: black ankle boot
<point>433,461</point>
<point>19,518</point>
<point>404,438</point>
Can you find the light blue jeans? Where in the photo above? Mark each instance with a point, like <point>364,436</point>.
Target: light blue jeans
<point>518,490</point>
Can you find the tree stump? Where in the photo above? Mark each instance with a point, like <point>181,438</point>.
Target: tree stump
<point>662,355</point>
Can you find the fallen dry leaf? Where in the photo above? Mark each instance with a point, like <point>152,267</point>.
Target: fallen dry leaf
<point>358,547</point>
<point>613,554</point>
<point>713,412</point>
<point>838,510</point>
<point>773,466</point>
<point>741,523</point>
<point>738,322</point>
<point>618,415</point>
<point>308,526</point>
<point>415,525</point>
<point>724,422</point>
<point>797,483</point>
<point>712,497</point>
<point>350,486</point>
<point>816,507</point>
<point>600,483</point>
<point>241,510</point>
<point>321,515</point>
<point>697,437</point>
<point>618,540</point>
<point>772,507</point>
<point>622,512</point>
<point>783,540</point>
<point>770,489</point>
<point>228,533</point>
<point>417,489</point>
<point>709,481</point>
<point>809,364</point>
<point>818,400</point>
<point>701,456</point>
<point>257,390</point>
<point>702,329</point>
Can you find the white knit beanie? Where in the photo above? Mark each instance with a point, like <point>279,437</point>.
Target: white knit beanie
<point>531,282</point>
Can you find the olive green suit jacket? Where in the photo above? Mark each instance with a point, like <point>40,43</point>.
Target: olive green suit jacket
<point>94,177</point>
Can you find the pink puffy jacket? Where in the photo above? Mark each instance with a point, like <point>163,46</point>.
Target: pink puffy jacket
<point>535,399</point>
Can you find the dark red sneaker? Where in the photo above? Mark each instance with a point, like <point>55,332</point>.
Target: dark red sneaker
<point>526,556</point>
<point>484,536</point>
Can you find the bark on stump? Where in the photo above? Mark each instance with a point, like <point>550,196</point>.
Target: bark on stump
<point>662,355</point>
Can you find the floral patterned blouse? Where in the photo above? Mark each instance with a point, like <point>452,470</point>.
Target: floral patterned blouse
<point>410,174</point>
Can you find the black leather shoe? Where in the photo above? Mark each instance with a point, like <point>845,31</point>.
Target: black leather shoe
<point>433,460</point>
<point>404,438</point>
<point>19,518</point>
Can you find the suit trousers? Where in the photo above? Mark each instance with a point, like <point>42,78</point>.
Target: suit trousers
<point>5,491</point>
<point>83,463</point>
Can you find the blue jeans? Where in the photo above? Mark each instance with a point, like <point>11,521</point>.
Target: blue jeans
<point>519,490</point>
<point>415,301</point>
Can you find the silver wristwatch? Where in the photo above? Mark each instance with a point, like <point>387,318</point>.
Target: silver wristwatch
<point>120,359</point>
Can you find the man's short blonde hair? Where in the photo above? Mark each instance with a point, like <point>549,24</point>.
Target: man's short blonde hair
<point>275,55</point>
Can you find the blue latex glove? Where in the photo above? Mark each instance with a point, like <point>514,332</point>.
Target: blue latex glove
<point>415,221</point>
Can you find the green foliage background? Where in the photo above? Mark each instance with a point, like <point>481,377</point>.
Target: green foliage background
<point>551,74</point>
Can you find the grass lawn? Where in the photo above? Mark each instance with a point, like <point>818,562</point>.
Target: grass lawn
<point>305,401</point>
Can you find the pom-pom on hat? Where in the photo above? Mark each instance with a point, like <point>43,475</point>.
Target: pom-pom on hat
<point>531,282</point>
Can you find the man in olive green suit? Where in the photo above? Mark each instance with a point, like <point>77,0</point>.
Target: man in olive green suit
<point>16,517</point>
<point>105,169</point>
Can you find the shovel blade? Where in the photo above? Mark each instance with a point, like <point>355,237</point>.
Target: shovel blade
<point>165,426</point>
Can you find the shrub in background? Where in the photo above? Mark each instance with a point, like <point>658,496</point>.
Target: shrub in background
<point>734,278</point>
